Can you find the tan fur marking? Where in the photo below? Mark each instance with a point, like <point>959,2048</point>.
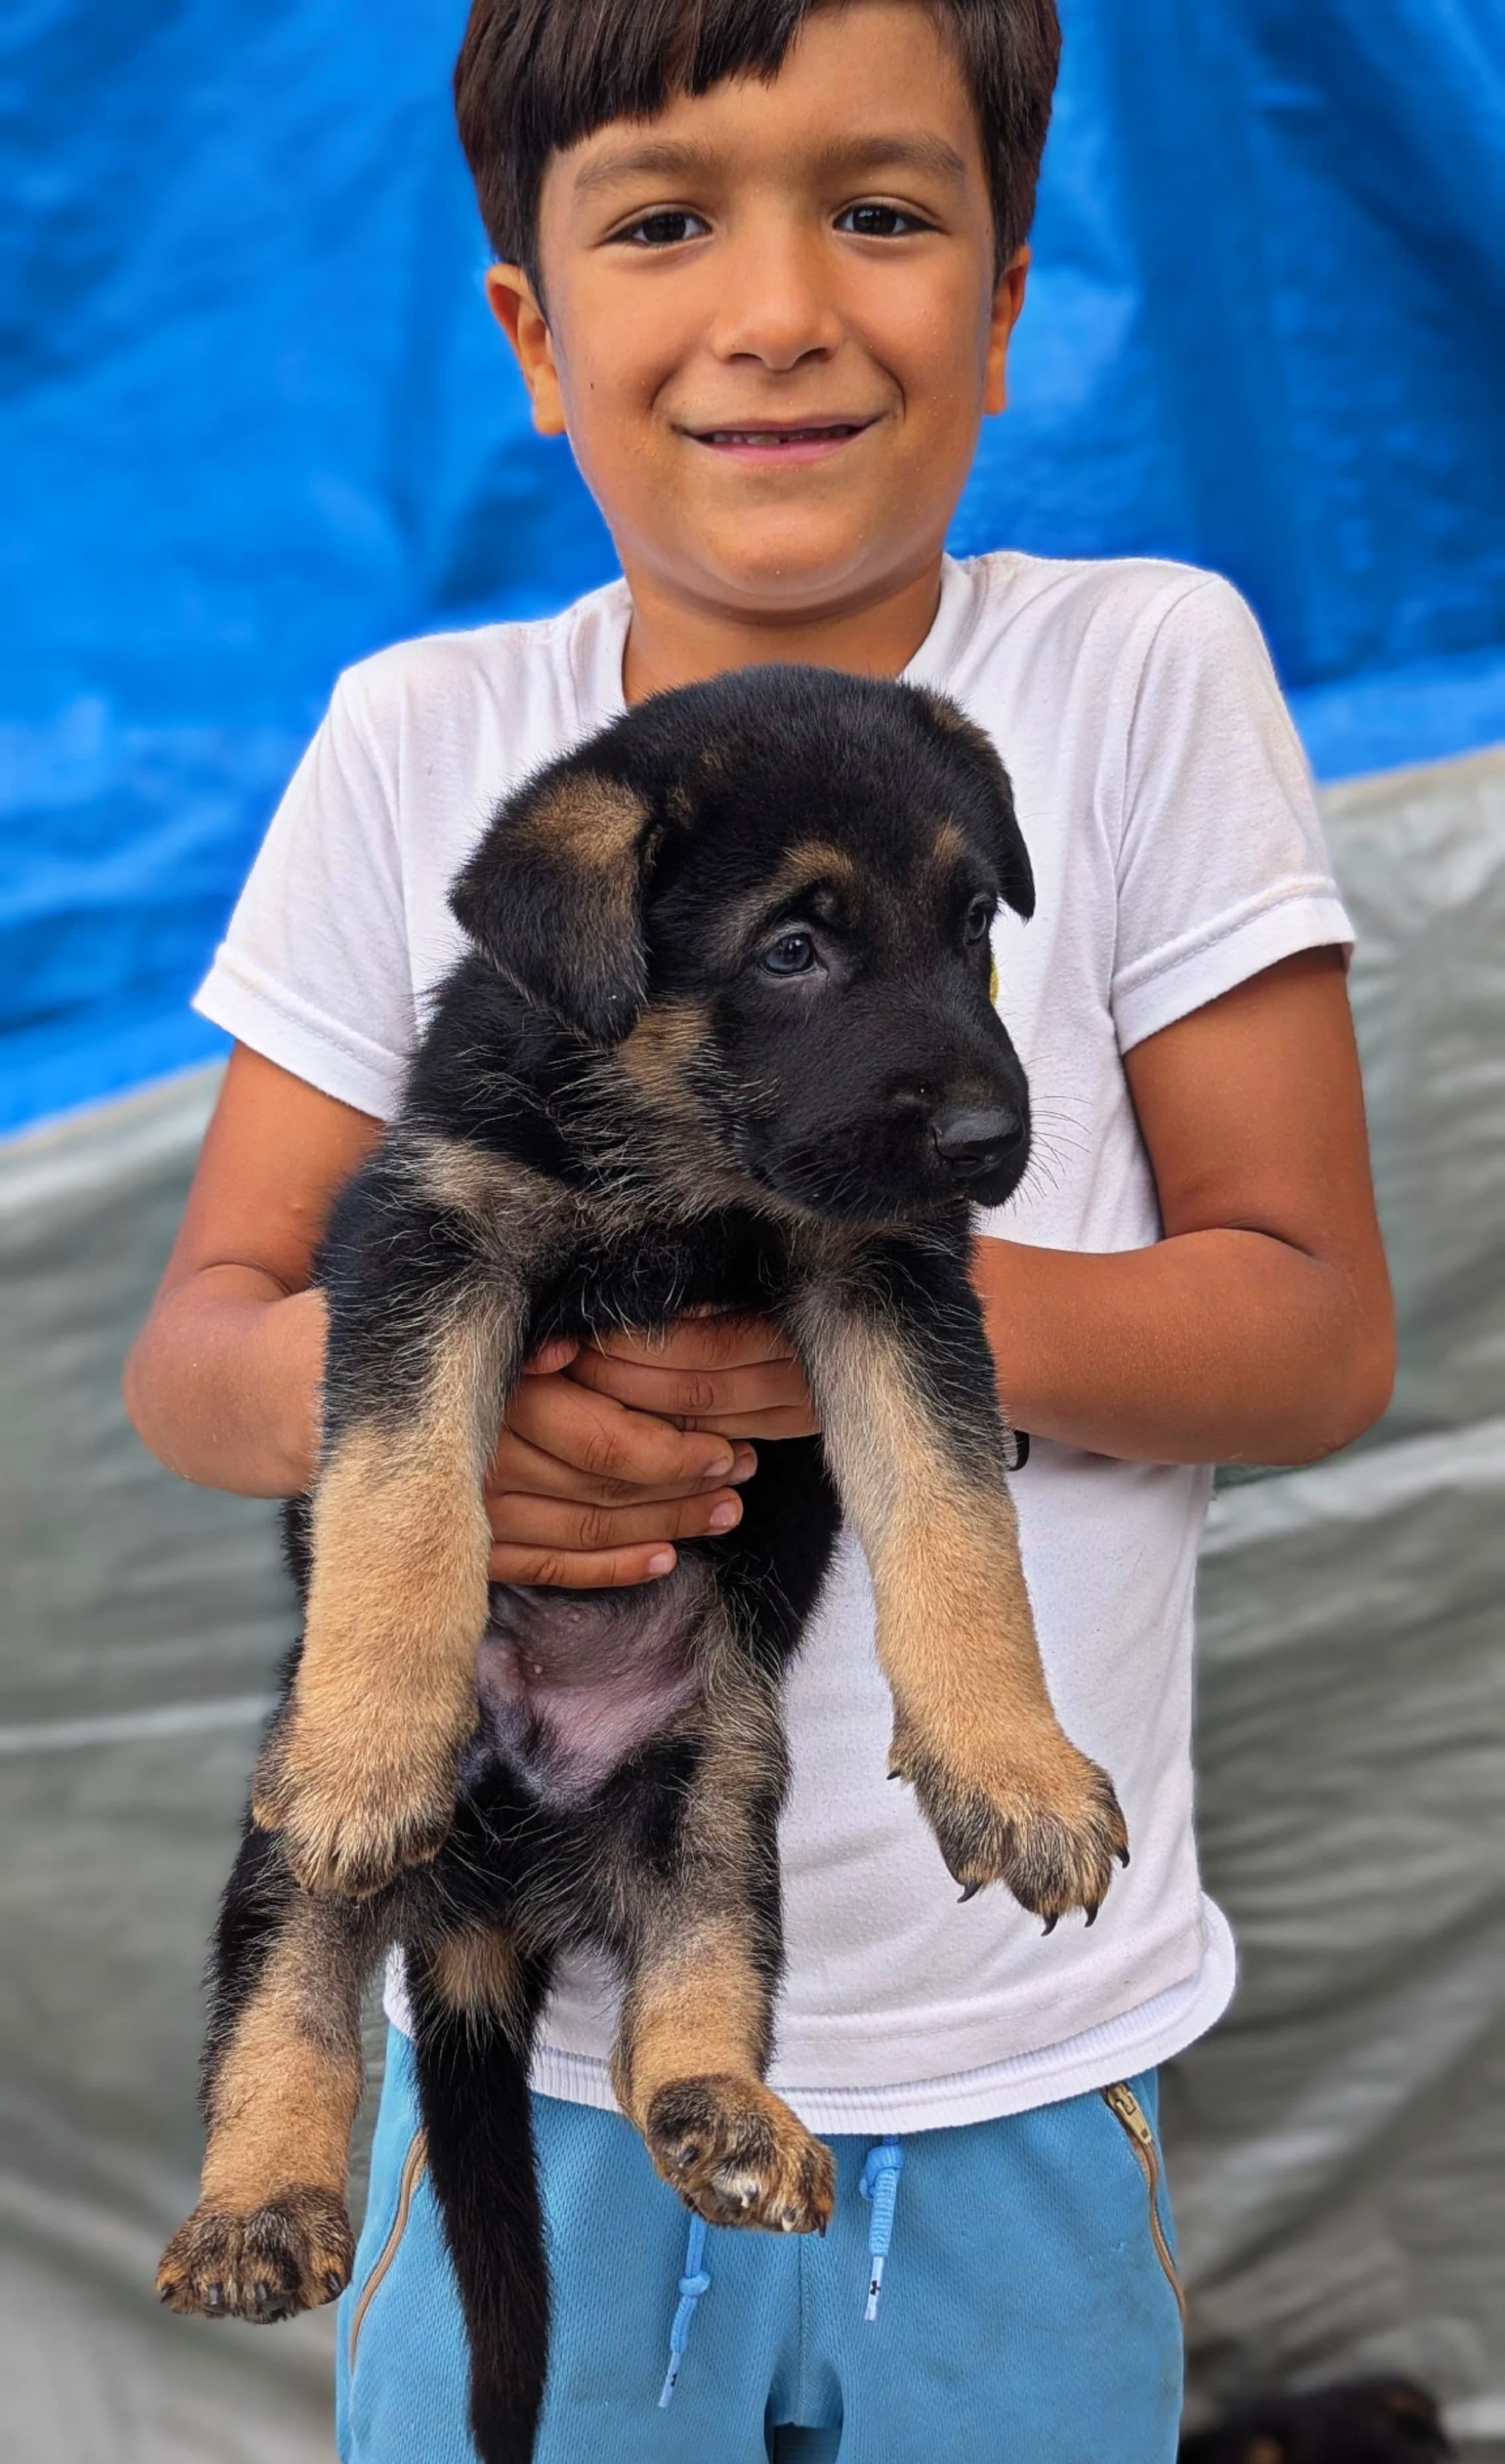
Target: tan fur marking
<point>658,1052</point>
<point>703,2009</point>
<point>592,821</point>
<point>811,861</point>
<point>476,1973</point>
<point>689,2070</point>
<point>1008,1794</point>
<point>361,1779</point>
<point>487,1188</point>
<point>956,1634</point>
<point>806,867</point>
<point>285,2088</point>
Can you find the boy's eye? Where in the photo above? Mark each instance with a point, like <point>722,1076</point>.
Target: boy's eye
<point>793,954</point>
<point>879,222</point>
<point>664,229</point>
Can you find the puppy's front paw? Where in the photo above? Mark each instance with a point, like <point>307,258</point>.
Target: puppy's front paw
<point>736,2153</point>
<point>1047,1825</point>
<point>292,2254</point>
<point>352,1823</point>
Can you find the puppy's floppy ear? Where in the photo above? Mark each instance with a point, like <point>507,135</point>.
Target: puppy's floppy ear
<point>992,800</point>
<point>552,896</point>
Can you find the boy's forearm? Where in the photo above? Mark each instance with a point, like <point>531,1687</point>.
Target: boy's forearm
<point>1211,1347</point>
<point>222,1382</point>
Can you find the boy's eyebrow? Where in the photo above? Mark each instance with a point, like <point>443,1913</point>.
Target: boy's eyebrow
<point>649,155</point>
<point>669,158</point>
<point>919,150</point>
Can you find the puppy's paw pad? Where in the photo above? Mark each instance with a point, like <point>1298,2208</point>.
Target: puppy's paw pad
<point>735,2152</point>
<point>293,2253</point>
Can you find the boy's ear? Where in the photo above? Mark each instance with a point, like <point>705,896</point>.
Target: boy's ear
<point>995,796</point>
<point>514,302</point>
<point>553,897</point>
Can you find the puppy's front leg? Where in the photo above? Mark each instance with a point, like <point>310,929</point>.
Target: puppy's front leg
<point>894,1350</point>
<point>359,1775</point>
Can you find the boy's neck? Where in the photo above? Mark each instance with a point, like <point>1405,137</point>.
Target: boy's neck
<point>673,640</point>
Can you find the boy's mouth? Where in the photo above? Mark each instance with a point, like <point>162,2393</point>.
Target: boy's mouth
<point>769,442</point>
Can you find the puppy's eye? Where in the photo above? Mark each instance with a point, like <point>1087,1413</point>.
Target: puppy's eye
<point>793,954</point>
<point>979,916</point>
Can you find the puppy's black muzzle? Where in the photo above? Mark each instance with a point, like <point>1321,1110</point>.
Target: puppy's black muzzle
<point>976,1142</point>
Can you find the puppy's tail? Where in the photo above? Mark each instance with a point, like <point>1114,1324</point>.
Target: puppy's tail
<point>473,2081</point>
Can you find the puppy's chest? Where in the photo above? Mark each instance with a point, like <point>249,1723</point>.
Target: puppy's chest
<point>571,1683</point>
<point>647,1273</point>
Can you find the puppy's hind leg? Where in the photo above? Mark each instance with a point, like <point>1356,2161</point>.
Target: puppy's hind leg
<point>282,2078</point>
<point>705,1953</point>
<point>475,1996</point>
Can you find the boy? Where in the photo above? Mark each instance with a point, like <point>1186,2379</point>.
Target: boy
<point>761,260</point>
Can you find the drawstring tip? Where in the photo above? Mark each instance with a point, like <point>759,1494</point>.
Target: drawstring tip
<point>879,2184</point>
<point>691,2284</point>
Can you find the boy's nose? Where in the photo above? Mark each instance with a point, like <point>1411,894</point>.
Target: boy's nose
<point>774,307</point>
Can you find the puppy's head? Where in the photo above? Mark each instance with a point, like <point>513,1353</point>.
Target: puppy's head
<point>772,897</point>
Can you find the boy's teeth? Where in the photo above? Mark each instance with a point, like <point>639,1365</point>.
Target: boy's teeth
<point>773,436</point>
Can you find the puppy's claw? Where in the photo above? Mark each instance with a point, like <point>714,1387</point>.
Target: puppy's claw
<point>1092,1913</point>
<point>1124,1854</point>
<point>1051,1923</point>
<point>970,1893</point>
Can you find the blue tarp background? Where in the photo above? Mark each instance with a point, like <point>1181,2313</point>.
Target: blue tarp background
<point>256,421</point>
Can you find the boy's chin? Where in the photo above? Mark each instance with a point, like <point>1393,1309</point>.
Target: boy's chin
<point>790,567</point>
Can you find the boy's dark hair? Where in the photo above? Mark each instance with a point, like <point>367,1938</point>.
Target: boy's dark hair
<point>536,75</point>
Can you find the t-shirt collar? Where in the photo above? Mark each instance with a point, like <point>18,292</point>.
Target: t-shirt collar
<point>600,628</point>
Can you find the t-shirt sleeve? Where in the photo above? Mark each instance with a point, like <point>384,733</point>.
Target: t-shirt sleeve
<point>313,969</point>
<point>1221,867</point>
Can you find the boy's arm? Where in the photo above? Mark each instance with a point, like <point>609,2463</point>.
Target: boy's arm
<point>223,1380</point>
<point>1258,1329</point>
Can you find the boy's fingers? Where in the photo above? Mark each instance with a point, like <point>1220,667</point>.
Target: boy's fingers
<point>701,1339</point>
<point>526,1469</point>
<point>556,1523</point>
<point>782,1420</point>
<point>691,1394</point>
<point>600,1438</point>
<point>550,1356</point>
<point>573,1570</point>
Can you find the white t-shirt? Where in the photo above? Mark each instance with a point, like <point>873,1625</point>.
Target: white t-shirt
<point>1177,850</point>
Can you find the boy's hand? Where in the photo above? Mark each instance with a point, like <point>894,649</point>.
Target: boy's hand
<point>613,1452</point>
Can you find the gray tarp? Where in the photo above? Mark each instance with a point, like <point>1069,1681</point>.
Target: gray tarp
<point>1336,2148</point>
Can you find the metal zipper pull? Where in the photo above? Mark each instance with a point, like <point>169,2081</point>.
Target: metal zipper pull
<point>1122,2102</point>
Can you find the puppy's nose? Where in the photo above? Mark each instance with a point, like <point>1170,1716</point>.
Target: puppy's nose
<point>974,1141</point>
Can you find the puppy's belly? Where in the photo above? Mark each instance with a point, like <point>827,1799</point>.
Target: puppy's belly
<point>571,1683</point>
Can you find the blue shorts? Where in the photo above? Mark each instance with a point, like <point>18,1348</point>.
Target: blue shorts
<point>1028,2309</point>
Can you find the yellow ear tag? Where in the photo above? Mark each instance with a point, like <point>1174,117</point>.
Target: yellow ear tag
<point>993,984</point>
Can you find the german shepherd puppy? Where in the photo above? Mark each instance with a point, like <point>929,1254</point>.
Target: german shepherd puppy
<point>724,1034</point>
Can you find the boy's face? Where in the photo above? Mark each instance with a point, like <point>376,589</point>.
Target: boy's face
<point>772,321</point>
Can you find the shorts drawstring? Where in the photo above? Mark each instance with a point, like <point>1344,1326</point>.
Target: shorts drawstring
<point>879,2184</point>
<point>691,2284</point>
<point>879,2187</point>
